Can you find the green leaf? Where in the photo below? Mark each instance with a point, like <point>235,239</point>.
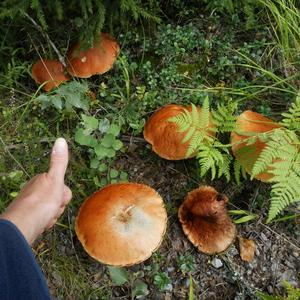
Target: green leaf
<point>238,212</point>
<point>117,145</point>
<point>56,101</point>
<point>94,163</point>
<point>101,151</point>
<point>108,140</point>
<point>104,125</point>
<point>81,138</point>
<point>140,288</point>
<point>89,122</point>
<point>123,176</point>
<point>245,219</point>
<point>119,276</point>
<point>111,153</point>
<point>113,173</point>
<point>102,167</point>
<point>114,129</point>
<point>103,181</point>
<point>191,289</point>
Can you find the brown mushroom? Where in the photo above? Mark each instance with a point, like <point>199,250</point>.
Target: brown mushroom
<point>50,72</point>
<point>122,224</point>
<point>205,221</point>
<point>96,60</point>
<point>163,135</point>
<point>249,123</point>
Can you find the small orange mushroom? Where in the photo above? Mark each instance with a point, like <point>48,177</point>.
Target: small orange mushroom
<point>163,135</point>
<point>248,123</point>
<point>96,60</point>
<point>205,221</point>
<point>50,72</point>
<point>122,224</point>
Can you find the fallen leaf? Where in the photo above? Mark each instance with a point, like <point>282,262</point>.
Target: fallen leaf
<point>247,249</point>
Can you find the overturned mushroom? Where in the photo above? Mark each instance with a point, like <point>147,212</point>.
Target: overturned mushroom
<point>163,135</point>
<point>205,220</point>
<point>122,224</point>
<point>96,60</point>
<point>250,123</point>
<point>50,72</point>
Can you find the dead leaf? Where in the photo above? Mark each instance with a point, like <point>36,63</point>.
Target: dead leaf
<point>247,249</point>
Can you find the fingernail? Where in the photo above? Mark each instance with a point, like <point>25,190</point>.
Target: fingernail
<point>60,146</point>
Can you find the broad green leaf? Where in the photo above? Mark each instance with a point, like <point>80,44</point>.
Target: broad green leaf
<point>117,145</point>
<point>103,181</point>
<point>56,101</point>
<point>83,139</point>
<point>111,153</point>
<point>102,167</point>
<point>114,129</point>
<point>94,163</point>
<point>140,288</point>
<point>113,173</point>
<point>45,100</point>
<point>123,176</point>
<point>119,276</point>
<point>108,140</point>
<point>89,122</point>
<point>101,151</point>
<point>104,125</point>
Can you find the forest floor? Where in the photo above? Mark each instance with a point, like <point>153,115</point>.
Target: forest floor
<point>223,276</point>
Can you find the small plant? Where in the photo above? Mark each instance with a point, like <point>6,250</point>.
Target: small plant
<point>162,281</point>
<point>121,276</point>
<point>101,137</point>
<point>186,263</point>
<point>67,96</point>
<point>292,293</point>
<point>202,135</point>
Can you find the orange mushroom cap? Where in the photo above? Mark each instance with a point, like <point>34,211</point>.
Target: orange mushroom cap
<point>205,220</point>
<point>251,122</point>
<point>49,71</point>
<point>163,135</point>
<point>96,60</point>
<point>122,224</point>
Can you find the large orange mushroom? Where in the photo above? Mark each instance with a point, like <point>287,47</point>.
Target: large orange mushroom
<point>163,134</point>
<point>205,220</point>
<point>122,224</point>
<point>96,60</point>
<point>250,123</point>
<point>50,72</point>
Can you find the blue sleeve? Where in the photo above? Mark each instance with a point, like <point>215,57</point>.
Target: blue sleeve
<point>20,275</point>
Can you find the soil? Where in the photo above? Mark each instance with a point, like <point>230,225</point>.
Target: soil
<point>276,257</point>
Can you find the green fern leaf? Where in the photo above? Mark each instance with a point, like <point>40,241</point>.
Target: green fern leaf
<point>204,114</point>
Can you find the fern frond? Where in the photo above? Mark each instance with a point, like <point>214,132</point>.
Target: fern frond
<point>291,119</point>
<point>203,120</point>
<point>265,159</point>
<point>195,142</point>
<point>224,117</point>
<point>239,171</point>
<point>282,156</point>
<point>224,168</point>
<point>211,158</point>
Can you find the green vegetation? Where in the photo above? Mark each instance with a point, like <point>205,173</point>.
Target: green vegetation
<point>226,56</point>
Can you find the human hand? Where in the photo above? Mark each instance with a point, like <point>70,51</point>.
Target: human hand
<point>43,199</point>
